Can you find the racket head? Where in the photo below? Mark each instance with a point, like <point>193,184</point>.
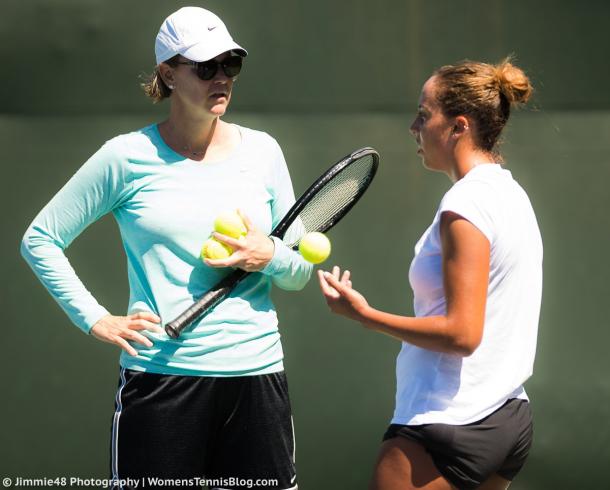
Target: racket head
<point>330,197</point>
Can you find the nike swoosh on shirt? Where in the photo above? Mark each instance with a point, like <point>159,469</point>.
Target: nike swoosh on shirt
<point>212,28</point>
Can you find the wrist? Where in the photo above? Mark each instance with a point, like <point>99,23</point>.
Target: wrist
<point>99,323</point>
<point>271,266</point>
<point>267,252</point>
<point>270,250</point>
<point>365,314</point>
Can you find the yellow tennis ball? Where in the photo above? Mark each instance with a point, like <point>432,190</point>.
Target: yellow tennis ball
<point>213,249</point>
<point>230,223</point>
<point>315,247</point>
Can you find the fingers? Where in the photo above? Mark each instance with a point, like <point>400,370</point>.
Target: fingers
<point>250,253</point>
<point>230,261</point>
<point>336,271</point>
<point>121,330</point>
<point>146,315</point>
<point>123,344</point>
<point>119,335</point>
<point>122,338</point>
<point>137,337</point>
<point>345,278</point>
<point>231,242</point>
<point>145,320</point>
<point>328,291</point>
<point>334,282</point>
<point>129,331</point>
<point>145,325</point>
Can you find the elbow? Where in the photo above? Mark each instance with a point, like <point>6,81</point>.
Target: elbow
<point>299,286</point>
<point>26,245</point>
<point>286,286</point>
<point>298,278</point>
<point>465,344</point>
<point>35,243</point>
<point>293,283</point>
<point>464,349</point>
<point>288,270</point>
<point>305,277</point>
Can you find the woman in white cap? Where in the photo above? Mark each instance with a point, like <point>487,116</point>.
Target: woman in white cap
<point>214,403</point>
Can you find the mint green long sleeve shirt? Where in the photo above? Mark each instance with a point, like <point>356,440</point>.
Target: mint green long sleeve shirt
<point>165,206</point>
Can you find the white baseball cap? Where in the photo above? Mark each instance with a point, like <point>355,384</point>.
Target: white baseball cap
<point>196,34</point>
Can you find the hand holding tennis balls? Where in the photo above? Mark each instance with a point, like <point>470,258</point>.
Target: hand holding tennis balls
<point>227,223</point>
<point>315,247</point>
<point>249,249</point>
<point>213,249</point>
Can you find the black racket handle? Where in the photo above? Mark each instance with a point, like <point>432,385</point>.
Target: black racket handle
<point>205,303</point>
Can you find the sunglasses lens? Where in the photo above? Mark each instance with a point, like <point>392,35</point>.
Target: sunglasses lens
<point>232,66</point>
<point>207,69</point>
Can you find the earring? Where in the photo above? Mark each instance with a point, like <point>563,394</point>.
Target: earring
<point>171,87</point>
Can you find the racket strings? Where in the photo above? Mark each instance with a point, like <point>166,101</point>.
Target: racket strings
<point>332,199</point>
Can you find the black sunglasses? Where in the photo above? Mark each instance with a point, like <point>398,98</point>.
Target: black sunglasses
<point>206,70</point>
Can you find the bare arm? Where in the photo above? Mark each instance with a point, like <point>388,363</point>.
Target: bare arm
<point>465,275</point>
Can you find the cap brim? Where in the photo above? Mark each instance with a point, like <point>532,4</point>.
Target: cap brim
<point>200,52</point>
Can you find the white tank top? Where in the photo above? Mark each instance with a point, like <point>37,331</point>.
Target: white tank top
<point>434,387</point>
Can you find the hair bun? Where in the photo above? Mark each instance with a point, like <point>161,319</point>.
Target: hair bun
<point>514,83</point>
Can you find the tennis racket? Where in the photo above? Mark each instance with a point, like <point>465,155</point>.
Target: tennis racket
<point>320,208</point>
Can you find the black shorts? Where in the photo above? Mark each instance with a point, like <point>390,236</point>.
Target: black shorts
<point>467,455</point>
<point>187,431</point>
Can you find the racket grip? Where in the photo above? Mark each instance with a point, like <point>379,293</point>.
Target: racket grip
<point>205,303</point>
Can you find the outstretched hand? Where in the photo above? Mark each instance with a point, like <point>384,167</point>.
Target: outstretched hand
<point>340,296</point>
<point>250,253</point>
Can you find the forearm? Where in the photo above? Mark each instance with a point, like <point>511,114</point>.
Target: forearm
<point>438,333</point>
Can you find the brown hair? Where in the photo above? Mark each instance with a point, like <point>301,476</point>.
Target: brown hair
<point>484,92</point>
<point>154,86</point>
